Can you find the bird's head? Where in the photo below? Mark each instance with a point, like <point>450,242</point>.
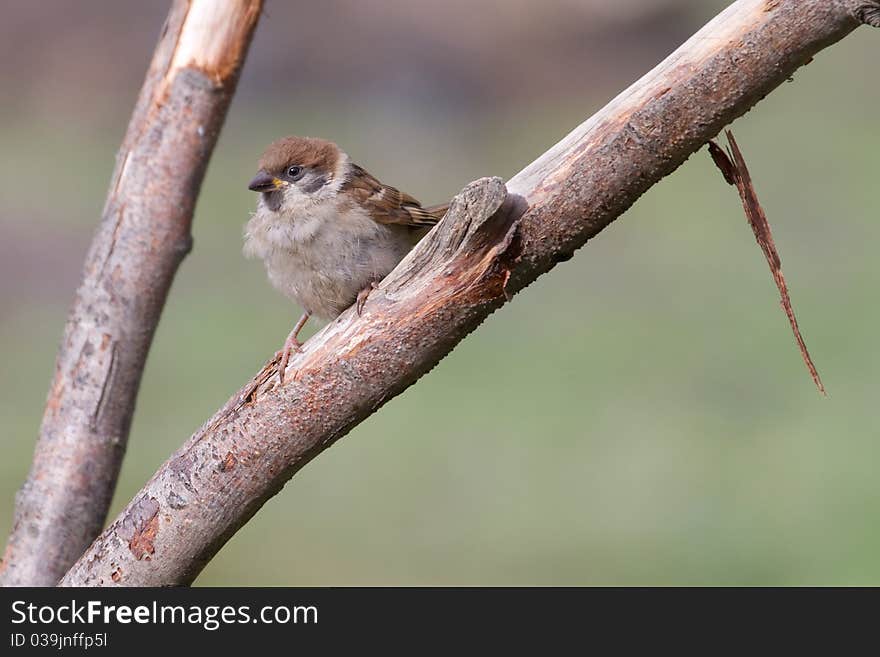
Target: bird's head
<point>297,168</point>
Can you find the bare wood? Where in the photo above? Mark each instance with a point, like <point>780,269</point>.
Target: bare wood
<point>465,270</point>
<point>143,236</point>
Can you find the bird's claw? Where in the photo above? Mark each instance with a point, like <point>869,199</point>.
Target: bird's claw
<point>291,345</point>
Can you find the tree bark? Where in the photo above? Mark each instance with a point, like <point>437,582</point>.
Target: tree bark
<point>143,236</point>
<point>461,272</point>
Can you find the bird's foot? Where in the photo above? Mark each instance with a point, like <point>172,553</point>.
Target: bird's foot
<point>363,295</point>
<point>291,345</point>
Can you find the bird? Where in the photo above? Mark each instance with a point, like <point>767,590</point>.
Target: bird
<point>326,230</point>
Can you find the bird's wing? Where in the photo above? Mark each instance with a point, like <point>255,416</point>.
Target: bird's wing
<point>388,205</point>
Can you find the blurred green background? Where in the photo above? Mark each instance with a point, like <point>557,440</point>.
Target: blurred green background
<point>640,415</point>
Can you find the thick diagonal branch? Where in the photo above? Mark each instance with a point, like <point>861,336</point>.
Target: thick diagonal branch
<point>441,291</point>
<point>251,447</point>
<point>143,236</point>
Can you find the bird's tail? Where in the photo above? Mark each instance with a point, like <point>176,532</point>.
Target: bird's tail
<point>437,211</point>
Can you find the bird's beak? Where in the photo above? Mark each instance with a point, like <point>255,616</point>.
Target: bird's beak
<point>263,182</point>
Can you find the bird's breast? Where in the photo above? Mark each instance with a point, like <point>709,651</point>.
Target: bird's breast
<point>324,256</point>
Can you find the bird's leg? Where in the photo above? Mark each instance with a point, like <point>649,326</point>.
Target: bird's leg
<point>362,296</point>
<point>292,344</point>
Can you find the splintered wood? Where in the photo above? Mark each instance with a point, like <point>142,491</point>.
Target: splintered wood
<point>733,167</point>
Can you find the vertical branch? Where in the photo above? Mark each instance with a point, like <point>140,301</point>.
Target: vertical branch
<point>143,236</point>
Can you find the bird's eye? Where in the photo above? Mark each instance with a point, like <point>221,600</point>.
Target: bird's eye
<point>294,172</point>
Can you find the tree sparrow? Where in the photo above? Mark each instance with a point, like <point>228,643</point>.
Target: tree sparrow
<point>326,229</point>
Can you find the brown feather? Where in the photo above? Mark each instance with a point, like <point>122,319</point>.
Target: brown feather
<point>388,205</point>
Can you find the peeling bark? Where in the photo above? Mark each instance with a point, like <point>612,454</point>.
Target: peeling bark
<point>143,236</point>
<point>733,168</point>
<point>464,270</point>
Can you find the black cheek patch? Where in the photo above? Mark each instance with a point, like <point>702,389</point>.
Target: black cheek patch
<point>313,184</point>
<point>272,200</point>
